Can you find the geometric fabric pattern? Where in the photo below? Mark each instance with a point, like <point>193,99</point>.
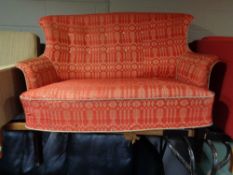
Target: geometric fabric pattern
<point>38,72</point>
<point>117,105</point>
<point>117,72</point>
<point>115,45</point>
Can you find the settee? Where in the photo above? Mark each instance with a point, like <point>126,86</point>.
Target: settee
<point>130,73</point>
<point>117,72</point>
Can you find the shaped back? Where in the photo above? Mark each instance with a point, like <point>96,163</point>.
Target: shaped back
<point>115,45</point>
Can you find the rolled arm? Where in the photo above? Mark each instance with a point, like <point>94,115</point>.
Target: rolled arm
<point>38,72</point>
<point>195,68</point>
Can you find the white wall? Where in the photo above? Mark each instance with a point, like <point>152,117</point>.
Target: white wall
<point>212,17</point>
<point>23,15</point>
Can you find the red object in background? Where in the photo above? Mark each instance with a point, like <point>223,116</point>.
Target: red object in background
<point>222,47</point>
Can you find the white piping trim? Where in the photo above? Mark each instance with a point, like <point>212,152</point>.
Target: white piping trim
<point>121,132</point>
<point>118,99</point>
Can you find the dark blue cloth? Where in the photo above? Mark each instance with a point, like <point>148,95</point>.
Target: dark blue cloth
<point>83,154</point>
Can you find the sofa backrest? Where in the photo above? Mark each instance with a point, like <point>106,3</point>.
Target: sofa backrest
<point>115,45</point>
<point>16,46</point>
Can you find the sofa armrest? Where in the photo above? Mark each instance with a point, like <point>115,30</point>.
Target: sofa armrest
<point>12,85</point>
<point>195,68</point>
<point>38,72</point>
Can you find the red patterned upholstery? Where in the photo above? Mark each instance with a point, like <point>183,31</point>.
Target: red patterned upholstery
<point>38,72</point>
<point>115,45</point>
<point>117,72</point>
<point>195,69</point>
<point>117,105</point>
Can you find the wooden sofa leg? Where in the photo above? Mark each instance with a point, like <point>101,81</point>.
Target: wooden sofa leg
<point>199,137</point>
<point>1,143</point>
<point>37,140</point>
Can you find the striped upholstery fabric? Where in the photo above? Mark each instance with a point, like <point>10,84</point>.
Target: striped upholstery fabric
<point>117,72</point>
<point>41,72</point>
<point>115,45</point>
<point>117,105</point>
<point>194,68</point>
<point>16,46</point>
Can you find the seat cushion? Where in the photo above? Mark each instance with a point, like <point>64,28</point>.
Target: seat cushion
<point>117,105</point>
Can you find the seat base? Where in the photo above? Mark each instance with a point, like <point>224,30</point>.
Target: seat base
<point>117,105</point>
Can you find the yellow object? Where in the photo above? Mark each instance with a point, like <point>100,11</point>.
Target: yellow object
<point>14,47</point>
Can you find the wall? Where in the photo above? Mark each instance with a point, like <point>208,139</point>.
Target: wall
<point>23,15</point>
<point>212,17</point>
